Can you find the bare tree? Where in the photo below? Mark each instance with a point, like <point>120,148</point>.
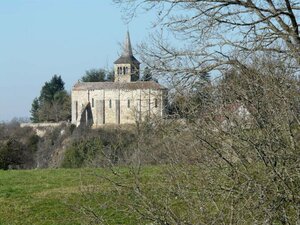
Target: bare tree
<point>212,33</point>
<point>230,166</point>
<point>235,163</point>
<point>235,158</point>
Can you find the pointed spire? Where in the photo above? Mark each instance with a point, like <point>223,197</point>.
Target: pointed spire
<point>127,51</point>
<point>127,55</point>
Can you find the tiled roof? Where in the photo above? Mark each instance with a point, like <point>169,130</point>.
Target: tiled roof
<point>118,85</point>
<point>127,55</point>
<point>127,59</point>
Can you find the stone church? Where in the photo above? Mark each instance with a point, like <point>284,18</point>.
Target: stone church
<point>124,101</point>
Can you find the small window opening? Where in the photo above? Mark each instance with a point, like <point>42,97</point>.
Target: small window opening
<point>128,103</point>
<point>110,103</point>
<point>76,105</point>
<point>155,103</point>
<point>93,102</point>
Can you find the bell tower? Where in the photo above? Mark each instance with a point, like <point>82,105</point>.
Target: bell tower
<point>127,67</point>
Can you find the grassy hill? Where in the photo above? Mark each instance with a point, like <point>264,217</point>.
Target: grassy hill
<point>164,194</point>
<point>54,197</point>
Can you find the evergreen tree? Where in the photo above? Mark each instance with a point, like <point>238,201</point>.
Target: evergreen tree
<point>35,111</point>
<point>49,90</point>
<point>53,104</point>
<point>94,75</point>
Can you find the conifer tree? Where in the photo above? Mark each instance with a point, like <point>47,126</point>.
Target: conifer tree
<point>53,104</point>
<point>35,111</point>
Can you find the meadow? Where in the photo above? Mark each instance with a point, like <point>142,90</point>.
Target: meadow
<point>54,196</point>
<point>164,194</point>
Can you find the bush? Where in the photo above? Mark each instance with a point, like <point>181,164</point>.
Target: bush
<point>83,153</point>
<point>11,154</point>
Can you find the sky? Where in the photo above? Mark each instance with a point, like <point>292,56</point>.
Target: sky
<point>40,38</point>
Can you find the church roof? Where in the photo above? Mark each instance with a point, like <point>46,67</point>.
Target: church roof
<point>118,85</point>
<point>127,60</point>
<point>127,55</point>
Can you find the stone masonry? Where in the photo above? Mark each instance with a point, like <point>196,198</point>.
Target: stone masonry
<point>124,101</point>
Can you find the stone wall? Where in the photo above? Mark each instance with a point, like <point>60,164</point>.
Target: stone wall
<point>134,105</point>
<point>132,70</point>
<point>41,128</point>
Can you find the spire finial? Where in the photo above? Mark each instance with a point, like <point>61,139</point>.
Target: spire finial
<point>127,46</point>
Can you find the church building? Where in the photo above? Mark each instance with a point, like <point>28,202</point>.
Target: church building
<point>127,100</point>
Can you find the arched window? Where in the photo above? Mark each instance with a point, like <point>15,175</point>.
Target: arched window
<point>124,70</point>
<point>128,103</point>
<point>76,106</point>
<point>155,103</point>
<point>109,103</point>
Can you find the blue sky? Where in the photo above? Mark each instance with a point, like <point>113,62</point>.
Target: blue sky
<point>40,38</point>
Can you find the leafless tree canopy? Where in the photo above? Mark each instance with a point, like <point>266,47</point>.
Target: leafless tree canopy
<point>230,154</point>
<point>215,32</point>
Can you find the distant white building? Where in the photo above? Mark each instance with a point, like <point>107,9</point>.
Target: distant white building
<point>231,114</point>
<point>124,101</point>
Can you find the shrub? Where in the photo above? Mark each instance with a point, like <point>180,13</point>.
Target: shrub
<point>11,154</point>
<point>83,153</point>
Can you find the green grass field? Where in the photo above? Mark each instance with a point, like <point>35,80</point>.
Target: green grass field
<point>54,196</point>
<point>157,193</point>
